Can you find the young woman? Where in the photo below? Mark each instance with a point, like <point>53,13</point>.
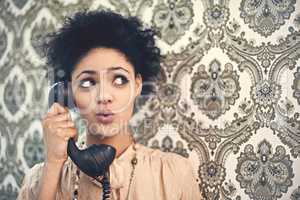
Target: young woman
<point>106,58</point>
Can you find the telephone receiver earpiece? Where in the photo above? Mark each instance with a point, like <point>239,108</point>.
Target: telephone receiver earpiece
<point>96,159</point>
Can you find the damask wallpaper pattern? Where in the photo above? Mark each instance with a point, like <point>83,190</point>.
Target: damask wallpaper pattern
<point>229,98</point>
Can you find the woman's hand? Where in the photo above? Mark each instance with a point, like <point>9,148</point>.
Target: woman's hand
<point>58,127</point>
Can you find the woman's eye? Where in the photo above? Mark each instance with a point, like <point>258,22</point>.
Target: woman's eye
<point>86,83</point>
<point>120,80</point>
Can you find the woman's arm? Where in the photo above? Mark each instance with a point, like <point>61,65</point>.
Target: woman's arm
<point>49,184</point>
<point>58,127</point>
<point>42,181</point>
<point>48,181</point>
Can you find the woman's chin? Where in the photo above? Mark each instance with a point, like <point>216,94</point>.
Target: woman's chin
<point>102,136</point>
<point>103,130</point>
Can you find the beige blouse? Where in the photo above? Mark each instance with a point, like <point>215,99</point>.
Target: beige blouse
<point>157,176</point>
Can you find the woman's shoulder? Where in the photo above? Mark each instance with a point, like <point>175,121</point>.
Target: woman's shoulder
<point>172,160</point>
<point>170,167</point>
<point>173,168</point>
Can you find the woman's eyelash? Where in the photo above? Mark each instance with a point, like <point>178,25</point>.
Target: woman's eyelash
<point>124,79</point>
<point>86,80</point>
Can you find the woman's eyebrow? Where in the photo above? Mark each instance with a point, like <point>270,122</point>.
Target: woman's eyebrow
<point>86,71</point>
<point>117,68</point>
<point>109,69</point>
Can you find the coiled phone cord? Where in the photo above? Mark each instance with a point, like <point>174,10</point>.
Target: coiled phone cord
<point>104,182</point>
<point>106,187</point>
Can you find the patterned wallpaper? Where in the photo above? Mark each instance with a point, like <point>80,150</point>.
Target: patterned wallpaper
<point>229,99</point>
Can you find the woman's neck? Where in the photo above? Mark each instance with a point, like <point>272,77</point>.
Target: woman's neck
<point>120,141</point>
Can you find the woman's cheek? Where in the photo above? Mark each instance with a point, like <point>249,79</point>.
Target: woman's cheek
<point>124,101</point>
<point>84,102</point>
<point>127,111</point>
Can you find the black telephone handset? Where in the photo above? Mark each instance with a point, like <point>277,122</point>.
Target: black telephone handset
<point>94,160</point>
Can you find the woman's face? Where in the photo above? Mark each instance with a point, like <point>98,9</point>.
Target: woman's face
<point>104,82</point>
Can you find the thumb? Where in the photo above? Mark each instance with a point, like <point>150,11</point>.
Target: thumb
<point>56,108</point>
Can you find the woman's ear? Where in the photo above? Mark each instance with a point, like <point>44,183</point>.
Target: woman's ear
<point>138,84</point>
<point>70,95</point>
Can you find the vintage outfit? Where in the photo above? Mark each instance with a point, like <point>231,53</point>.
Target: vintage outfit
<point>157,176</point>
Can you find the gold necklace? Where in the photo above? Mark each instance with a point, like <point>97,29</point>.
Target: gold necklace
<point>133,163</point>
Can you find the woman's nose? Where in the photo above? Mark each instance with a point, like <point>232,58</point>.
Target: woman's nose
<point>104,95</point>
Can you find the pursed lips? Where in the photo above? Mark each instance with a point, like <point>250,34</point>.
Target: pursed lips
<point>105,116</point>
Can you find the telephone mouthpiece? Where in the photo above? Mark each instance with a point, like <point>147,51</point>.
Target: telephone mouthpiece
<point>93,161</point>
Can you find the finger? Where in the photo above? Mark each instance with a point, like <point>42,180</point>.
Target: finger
<point>55,109</point>
<point>76,137</point>
<point>59,117</point>
<point>64,124</point>
<point>52,110</point>
<point>62,109</point>
<point>51,120</point>
<point>67,133</point>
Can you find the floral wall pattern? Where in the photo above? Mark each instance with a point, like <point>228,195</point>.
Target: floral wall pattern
<point>229,99</point>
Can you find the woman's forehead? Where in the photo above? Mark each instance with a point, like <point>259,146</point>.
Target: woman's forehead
<point>103,60</point>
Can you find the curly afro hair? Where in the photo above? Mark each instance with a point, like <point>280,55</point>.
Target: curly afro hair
<point>95,29</point>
